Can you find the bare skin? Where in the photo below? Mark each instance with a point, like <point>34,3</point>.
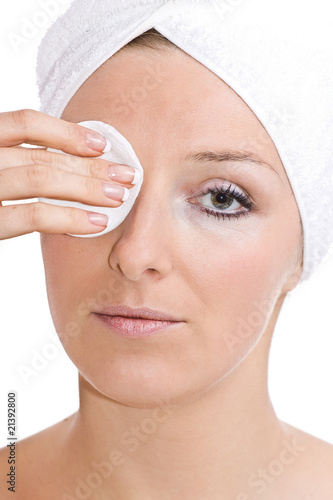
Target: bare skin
<point>182,414</point>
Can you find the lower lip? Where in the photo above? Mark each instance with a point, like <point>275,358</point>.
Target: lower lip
<point>135,327</point>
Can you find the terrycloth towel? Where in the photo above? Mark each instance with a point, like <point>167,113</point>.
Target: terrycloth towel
<point>277,56</point>
<point>121,152</point>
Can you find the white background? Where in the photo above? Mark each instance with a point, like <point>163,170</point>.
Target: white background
<point>301,367</point>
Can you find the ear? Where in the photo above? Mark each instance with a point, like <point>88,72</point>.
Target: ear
<point>294,277</point>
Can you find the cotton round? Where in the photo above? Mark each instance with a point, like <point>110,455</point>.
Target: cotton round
<point>277,56</point>
<point>122,152</point>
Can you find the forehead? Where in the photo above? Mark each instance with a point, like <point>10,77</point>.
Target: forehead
<point>167,97</point>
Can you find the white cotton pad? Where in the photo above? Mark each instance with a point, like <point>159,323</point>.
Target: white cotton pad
<point>121,152</point>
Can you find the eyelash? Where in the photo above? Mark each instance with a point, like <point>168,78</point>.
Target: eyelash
<point>240,197</point>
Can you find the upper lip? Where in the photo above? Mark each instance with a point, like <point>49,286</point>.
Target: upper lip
<point>142,312</point>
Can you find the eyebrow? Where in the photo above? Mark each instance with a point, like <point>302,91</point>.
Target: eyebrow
<point>224,156</point>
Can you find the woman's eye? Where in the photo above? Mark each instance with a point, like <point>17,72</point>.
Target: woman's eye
<point>224,203</point>
<point>220,200</point>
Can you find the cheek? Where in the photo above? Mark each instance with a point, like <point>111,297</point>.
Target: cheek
<point>237,280</point>
<point>61,264</point>
<point>70,272</point>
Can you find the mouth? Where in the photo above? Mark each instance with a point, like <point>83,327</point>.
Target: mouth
<point>136,322</point>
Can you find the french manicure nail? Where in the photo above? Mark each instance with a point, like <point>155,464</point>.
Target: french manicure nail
<point>98,219</point>
<point>115,192</point>
<point>124,173</point>
<point>97,142</point>
<point>108,146</point>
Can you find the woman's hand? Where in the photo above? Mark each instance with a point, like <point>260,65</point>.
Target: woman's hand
<point>34,172</point>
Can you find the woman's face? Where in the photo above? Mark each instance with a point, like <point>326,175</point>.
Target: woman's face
<point>221,274</point>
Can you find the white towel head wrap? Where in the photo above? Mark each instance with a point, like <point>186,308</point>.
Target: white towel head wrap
<point>277,56</point>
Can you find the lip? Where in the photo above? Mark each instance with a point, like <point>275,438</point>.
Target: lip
<point>141,312</point>
<point>136,322</point>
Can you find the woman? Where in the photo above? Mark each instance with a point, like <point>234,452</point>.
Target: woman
<point>182,411</point>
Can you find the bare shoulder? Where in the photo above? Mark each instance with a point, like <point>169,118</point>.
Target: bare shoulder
<point>23,460</point>
<point>313,476</point>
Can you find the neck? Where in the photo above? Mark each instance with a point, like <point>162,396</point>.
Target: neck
<point>209,447</point>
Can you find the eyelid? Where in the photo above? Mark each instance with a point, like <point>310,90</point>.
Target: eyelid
<point>220,184</point>
<point>234,192</point>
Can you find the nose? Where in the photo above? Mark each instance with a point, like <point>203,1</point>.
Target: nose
<point>143,245</point>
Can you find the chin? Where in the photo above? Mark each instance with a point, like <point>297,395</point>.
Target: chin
<point>138,380</point>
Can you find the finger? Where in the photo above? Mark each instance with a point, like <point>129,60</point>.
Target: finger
<point>34,181</point>
<point>33,127</point>
<point>16,220</point>
<point>93,167</point>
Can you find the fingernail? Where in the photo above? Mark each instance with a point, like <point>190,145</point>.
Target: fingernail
<point>124,173</point>
<point>119,193</point>
<point>97,142</point>
<point>107,147</point>
<point>98,219</point>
